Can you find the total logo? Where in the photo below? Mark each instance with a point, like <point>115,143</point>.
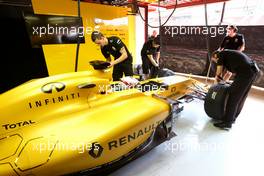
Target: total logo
<point>18,124</point>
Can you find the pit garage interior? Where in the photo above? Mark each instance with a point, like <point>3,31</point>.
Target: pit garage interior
<point>189,30</point>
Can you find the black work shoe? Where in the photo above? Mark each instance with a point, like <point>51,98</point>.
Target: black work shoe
<point>216,121</point>
<point>223,125</point>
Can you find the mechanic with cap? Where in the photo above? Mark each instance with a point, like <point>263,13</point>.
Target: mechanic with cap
<point>233,41</point>
<point>150,55</point>
<point>245,73</point>
<point>114,46</point>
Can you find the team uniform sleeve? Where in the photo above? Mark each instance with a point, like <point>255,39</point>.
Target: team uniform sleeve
<point>118,44</point>
<point>151,51</point>
<point>241,40</point>
<point>158,49</point>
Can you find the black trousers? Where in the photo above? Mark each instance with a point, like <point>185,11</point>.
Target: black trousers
<point>238,93</point>
<point>146,64</point>
<point>120,69</point>
<point>148,68</point>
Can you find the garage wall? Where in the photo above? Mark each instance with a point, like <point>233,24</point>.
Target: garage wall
<point>19,61</point>
<point>188,53</point>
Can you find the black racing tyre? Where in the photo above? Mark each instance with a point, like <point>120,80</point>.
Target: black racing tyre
<point>99,65</point>
<point>165,72</point>
<point>215,100</point>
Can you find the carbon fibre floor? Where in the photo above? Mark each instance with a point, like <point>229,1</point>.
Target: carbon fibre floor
<point>202,149</point>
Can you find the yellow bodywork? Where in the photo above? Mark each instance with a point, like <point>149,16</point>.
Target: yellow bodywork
<point>53,126</point>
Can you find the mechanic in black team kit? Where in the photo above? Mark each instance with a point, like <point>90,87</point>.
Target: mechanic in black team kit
<point>150,55</point>
<point>232,41</point>
<point>122,62</point>
<point>246,71</point>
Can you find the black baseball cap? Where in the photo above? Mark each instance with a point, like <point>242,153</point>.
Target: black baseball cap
<point>232,27</point>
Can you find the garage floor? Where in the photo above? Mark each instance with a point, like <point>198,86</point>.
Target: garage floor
<point>201,149</point>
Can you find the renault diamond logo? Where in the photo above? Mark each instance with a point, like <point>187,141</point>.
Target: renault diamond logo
<point>96,150</point>
<point>58,86</point>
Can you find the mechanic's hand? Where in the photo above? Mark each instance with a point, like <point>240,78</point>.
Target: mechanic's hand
<point>207,87</point>
<point>111,64</point>
<point>216,82</point>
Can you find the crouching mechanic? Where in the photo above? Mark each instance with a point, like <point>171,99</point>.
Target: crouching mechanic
<point>246,71</point>
<point>122,62</point>
<point>150,54</point>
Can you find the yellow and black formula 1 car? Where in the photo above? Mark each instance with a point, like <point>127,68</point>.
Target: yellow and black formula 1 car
<point>82,124</point>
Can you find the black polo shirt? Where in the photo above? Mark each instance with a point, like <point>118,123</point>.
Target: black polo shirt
<point>148,49</point>
<point>235,61</point>
<point>113,48</point>
<point>233,42</point>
